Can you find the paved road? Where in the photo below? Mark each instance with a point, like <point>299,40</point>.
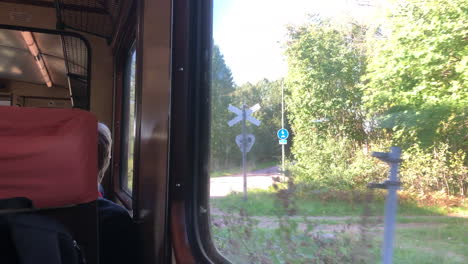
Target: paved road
<point>260,179</point>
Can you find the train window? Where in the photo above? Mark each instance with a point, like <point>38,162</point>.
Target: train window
<point>129,121</point>
<point>5,100</point>
<point>305,97</point>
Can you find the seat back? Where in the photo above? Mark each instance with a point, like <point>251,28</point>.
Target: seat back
<point>50,157</point>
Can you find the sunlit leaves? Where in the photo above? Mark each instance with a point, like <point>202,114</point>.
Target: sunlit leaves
<point>417,80</point>
<point>326,62</point>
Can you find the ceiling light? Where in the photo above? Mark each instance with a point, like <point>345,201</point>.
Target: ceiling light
<point>32,46</point>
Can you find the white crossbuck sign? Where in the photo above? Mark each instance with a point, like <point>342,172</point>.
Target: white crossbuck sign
<point>248,113</point>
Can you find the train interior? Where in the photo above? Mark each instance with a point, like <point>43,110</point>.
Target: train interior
<point>57,55</point>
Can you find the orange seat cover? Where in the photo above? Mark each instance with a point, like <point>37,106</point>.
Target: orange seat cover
<point>48,155</point>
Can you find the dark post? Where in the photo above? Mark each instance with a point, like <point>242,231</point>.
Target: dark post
<point>393,158</point>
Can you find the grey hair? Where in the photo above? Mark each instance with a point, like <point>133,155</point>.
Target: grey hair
<point>104,149</point>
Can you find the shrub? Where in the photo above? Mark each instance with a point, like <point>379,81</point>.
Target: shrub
<point>337,164</point>
<point>435,169</point>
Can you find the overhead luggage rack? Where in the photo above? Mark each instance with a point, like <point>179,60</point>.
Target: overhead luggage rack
<point>101,21</point>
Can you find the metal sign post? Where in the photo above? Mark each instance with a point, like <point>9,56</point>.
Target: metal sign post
<point>282,127</point>
<point>283,134</point>
<point>393,158</point>
<point>244,152</point>
<point>244,141</point>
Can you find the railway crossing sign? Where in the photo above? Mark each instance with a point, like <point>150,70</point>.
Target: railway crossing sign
<point>250,140</point>
<point>244,141</point>
<point>283,133</point>
<point>248,113</point>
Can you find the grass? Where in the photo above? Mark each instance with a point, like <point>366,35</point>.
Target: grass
<point>438,244</point>
<point>265,203</point>
<point>449,220</point>
<point>238,170</point>
<point>443,242</point>
<point>425,235</point>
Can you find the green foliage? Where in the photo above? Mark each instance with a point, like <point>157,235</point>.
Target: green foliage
<point>351,92</point>
<point>417,80</point>
<point>331,163</point>
<point>439,170</point>
<point>326,62</point>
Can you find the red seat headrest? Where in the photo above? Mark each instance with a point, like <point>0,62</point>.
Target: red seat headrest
<point>48,155</point>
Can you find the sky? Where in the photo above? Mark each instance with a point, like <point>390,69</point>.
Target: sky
<point>250,33</point>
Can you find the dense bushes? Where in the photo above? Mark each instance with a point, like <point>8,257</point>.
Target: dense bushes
<point>335,164</point>
<point>438,170</point>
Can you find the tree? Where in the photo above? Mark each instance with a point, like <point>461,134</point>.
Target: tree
<point>326,62</point>
<point>416,85</point>
<point>222,136</point>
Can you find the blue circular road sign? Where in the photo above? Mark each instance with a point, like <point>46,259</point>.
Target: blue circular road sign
<point>283,133</point>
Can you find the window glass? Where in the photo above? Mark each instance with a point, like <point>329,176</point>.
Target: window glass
<point>306,98</point>
<point>129,124</point>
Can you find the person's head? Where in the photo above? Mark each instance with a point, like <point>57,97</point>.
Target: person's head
<point>104,149</point>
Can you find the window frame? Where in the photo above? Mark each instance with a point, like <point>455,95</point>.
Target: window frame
<point>125,121</point>
<point>190,133</point>
<point>124,43</point>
